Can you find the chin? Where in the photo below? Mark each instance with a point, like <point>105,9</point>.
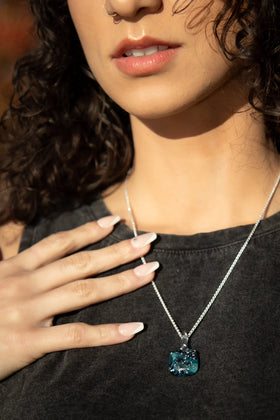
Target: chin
<point>152,106</point>
<point>167,99</point>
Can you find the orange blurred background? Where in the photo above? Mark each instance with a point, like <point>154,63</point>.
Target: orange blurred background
<point>16,38</point>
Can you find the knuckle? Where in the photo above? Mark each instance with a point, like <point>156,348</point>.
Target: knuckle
<point>76,333</point>
<point>11,287</point>
<point>82,288</point>
<point>58,240</point>
<point>123,281</point>
<point>14,313</point>
<point>115,252</point>
<point>120,251</point>
<point>103,333</point>
<point>36,251</point>
<point>80,261</point>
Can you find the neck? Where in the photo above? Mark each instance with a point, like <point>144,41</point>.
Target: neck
<point>205,175</point>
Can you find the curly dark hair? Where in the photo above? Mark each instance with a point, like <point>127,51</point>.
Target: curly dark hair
<point>63,140</point>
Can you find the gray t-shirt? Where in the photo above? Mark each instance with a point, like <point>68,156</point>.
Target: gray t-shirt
<point>238,340</point>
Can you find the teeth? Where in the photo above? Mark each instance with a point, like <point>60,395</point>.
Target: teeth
<point>145,51</point>
<point>151,50</point>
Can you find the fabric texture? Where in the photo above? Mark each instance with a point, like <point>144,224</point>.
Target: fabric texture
<point>238,341</point>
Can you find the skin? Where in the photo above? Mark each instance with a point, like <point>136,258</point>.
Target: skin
<point>168,92</point>
<point>196,139</point>
<point>10,235</point>
<point>197,146</point>
<point>43,281</point>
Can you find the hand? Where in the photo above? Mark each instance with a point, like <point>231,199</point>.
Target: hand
<point>43,281</point>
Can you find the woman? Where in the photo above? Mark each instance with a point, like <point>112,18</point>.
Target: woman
<point>198,85</point>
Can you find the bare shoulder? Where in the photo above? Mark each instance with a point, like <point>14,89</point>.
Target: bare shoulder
<point>10,237</point>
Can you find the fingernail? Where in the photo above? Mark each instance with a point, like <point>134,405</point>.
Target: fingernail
<point>143,240</point>
<point>131,328</point>
<point>108,221</point>
<point>145,269</point>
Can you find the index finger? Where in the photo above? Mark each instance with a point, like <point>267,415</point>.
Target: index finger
<point>60,244</point>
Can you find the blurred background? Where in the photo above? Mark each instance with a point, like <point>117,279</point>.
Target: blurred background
<point>16,38</point>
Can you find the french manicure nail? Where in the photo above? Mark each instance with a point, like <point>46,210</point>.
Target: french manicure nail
<point>131,328</point>
<point>108,221</point>
<point>145,269</point>
<point>143,240</point>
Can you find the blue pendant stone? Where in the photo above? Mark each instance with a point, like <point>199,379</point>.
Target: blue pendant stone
<point>183,362</point>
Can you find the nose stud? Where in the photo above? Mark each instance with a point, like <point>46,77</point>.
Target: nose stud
<point>114,14</point>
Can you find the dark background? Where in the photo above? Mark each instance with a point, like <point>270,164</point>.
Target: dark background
<point>16,37</point>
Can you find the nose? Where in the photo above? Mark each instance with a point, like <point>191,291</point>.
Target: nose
<point>130,8</point>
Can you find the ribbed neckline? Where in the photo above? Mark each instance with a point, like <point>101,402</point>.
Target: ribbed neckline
<point>199,241</point>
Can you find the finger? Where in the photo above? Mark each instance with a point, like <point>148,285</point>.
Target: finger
<point>63,243</point>
<point>90,263</point>
<point>30,345</point>
<point>81,293</point>
<point>77,335</point>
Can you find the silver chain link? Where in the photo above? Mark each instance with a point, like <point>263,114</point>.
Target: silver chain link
<point>221,285</point>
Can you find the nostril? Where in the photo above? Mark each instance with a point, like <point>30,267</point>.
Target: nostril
<point>132,8</point>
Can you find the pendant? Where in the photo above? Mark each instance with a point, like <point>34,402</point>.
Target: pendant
<point>185,361</point>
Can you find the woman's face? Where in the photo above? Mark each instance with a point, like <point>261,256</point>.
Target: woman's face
<point>152,62</point>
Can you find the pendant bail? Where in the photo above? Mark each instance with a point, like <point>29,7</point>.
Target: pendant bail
<point>184,341</point>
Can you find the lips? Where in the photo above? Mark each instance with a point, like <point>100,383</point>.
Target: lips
<point>145,51</point>
<point>145,42</point>
<point>143,57</point>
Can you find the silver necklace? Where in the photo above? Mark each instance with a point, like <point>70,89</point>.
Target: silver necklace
<point>185,361</point>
